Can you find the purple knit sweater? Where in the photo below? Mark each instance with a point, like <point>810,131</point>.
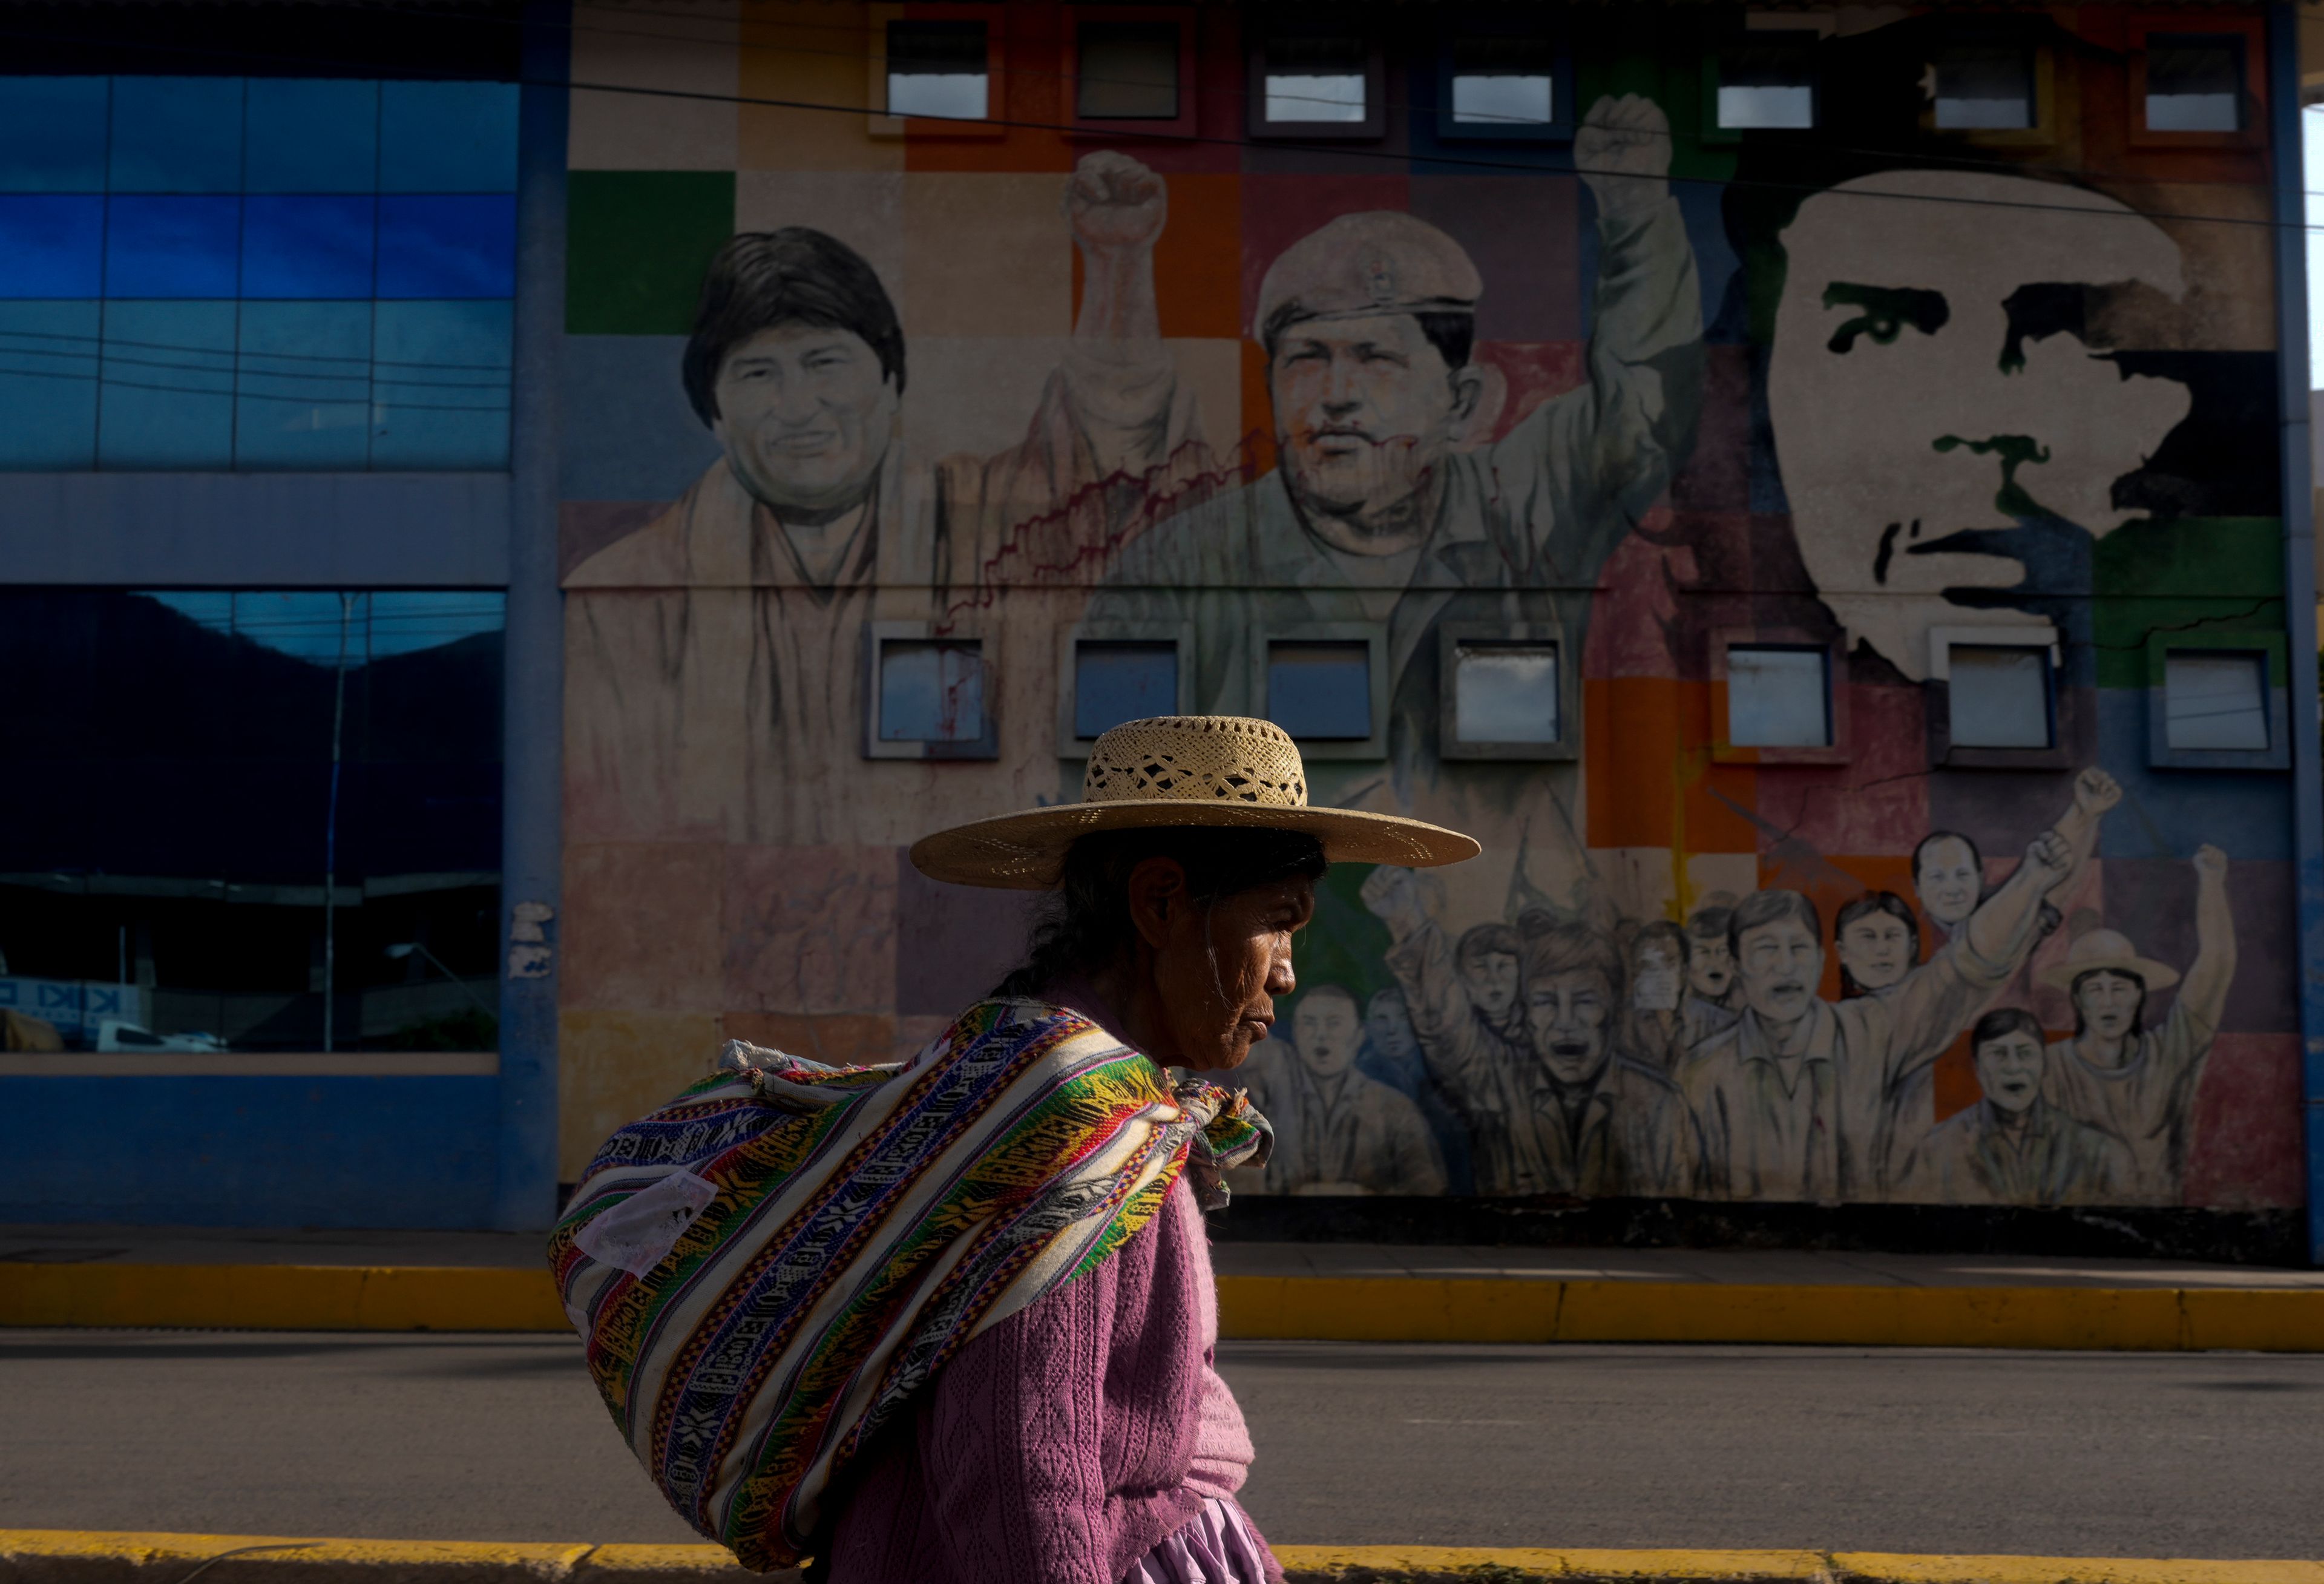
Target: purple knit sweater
<point>1063,1445</point>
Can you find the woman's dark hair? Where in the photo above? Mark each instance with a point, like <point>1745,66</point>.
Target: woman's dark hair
<point>2001,1021</point>
<point>794,276</point>
<point>1084,927</point>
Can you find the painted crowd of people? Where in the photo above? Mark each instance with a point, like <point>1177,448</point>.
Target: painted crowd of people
<point>1551,1056</point>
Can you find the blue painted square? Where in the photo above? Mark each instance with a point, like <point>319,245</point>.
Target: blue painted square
<point>448,137</point>
<point>48,384</point>
<point>304,388</point>
<point>52,134</point>
<point>447,247</point>
<point>172,246</point>
<point>176,134</point>
<point>307,246</point>
<point>442,384</point>
<point>2170,812</point>
<point>311,135</point>
<point>630,434</point>
<point>168,398</point>
<point>51,247</point>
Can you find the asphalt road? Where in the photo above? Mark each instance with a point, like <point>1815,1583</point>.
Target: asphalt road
<point>500,1438</point>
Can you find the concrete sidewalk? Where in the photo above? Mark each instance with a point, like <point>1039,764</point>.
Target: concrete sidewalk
<point>291,1279</point>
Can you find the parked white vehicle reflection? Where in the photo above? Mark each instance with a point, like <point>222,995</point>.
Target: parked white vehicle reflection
<point>115,1034</point>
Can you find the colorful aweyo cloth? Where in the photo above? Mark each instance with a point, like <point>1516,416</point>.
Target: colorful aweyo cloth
<point>766,1268</point>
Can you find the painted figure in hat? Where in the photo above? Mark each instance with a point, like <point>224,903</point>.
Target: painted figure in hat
<point>2117,1072</point>
<point>2014,1147</point>
<point>1392,507</point>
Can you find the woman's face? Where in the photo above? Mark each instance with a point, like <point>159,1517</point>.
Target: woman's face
<point>1219,967</point>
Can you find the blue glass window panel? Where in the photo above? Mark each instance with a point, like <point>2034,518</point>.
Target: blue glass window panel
<point>168,398</point>
<point>307,245</point>
<point>1118,682</point>
<point>1999,696</point>
<point>48,384</point>
<point>1321,690</point>
<point>304,385</point>
<point>52,134</point>
<point>51,247</point>
<point>1505,692</point>
<point>311,135</point>
<point>440,383</point>
<point>447,247</point>
<point>1779,696</point>
<point>172,246</point>
<point>931,691</point>
<point>321,627</point>
<point>176,134</point>
<point>401,624</point>
<point>448,137</point>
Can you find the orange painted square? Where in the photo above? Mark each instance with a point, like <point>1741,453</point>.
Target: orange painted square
<point>1197,261</point>
<point>1648,778</point>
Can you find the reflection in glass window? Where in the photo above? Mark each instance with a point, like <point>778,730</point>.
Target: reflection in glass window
<point>2000,696</point>
<point>937,69</point>
<point>1315,77</point>
<point>231,808</point>
<point>2194,83</point>
<point>223,273</point>
<point>1778,695</point>
<point>1504,82</point>
<point>2214,701</point>
<point>1115,682</point>
<point>1984,88</point>
<point>931,690</point>
<point>1321,690</point>
<point>1505,692</point>
<point>1129,71</point>
<point>1766,86</point>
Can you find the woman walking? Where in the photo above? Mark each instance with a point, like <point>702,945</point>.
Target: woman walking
<point>953,1321</point>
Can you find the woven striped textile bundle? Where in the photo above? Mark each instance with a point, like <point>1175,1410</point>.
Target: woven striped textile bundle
<point>767,1268</point>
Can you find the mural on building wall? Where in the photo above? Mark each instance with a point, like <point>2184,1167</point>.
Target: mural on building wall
<point>1630,409</point>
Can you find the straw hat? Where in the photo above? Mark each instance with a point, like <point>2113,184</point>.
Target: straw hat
<point>1180,770</point>
<point>2109,949</point>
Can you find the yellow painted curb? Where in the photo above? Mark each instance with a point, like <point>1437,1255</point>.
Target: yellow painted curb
<point>1361,1309</point>
<point>67,1556</point>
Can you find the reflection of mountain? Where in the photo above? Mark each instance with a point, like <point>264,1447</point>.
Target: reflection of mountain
<point>143,742</point>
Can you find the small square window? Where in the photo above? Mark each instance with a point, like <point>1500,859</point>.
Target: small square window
<point>931,690</point>
<point>2194,83</point>
<point>1504,81</point>
<point>1999,696</point>
<point>1984,88</point>
<point>2214,701</point>
<point>937,69</point>
<point>1778,695</point>
<point>1316,78</point>
<point>1505,692</point>
<point>1766,86</point>
<point>1321,688</point>
<point>1129,71</point>
<point>1117,681</point>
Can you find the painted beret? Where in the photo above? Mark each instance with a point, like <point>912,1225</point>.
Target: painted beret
<point>1378,261</point>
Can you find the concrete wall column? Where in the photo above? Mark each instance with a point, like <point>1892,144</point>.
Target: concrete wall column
<point>531,849</point>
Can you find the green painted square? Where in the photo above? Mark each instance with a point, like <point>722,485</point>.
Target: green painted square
<point>2192,576</point>
<point>636,243</point>
<point>1660,56</point>
<point>1345,944</point>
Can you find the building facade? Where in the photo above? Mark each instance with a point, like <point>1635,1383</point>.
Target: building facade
<point>1807,489</point>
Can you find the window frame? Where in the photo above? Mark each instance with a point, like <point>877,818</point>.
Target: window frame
<point>1451,635</point>
<point>2041,67</point>
<point>877,633</point>
<point>1374,635</point>
<point>2068,728</point>
<point>1754,30</point>
<point>1374,125</point>
<point>2250,31</point>
<point>2277,651</point>
<point>1841,750</point>
<point>879,123</point>
<point>1187,19</point>
<point>1550,24</point>
<point>1180,635</point>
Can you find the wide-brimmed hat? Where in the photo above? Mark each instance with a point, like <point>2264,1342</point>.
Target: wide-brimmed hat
<point>1220,770</point>
<point>2109,949</point>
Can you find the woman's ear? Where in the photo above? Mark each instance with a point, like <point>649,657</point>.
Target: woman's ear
<point>1157,897</point>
